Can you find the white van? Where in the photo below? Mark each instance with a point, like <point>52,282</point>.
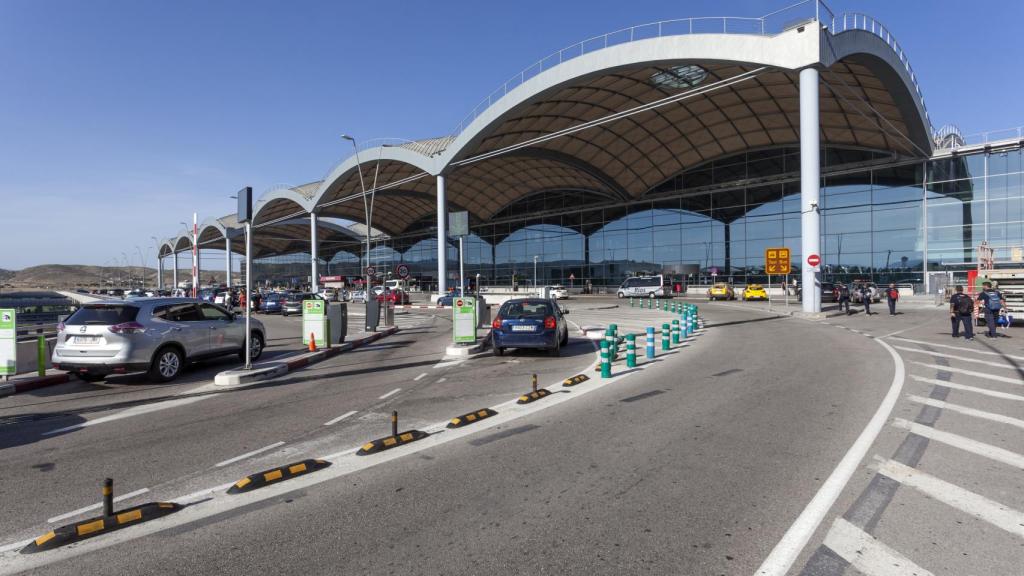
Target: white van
<point>402,285</point>
<point>643,286</point>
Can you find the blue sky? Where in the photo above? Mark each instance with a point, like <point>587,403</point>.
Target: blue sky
<point>122,117</point>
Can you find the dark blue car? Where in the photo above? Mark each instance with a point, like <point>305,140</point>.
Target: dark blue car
<point>529,323</point>
<point>272,303</point>
<point>448,298</point>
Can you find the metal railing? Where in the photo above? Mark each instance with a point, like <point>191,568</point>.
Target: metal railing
<point>988,137</point>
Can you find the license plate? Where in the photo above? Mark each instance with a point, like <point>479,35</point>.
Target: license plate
<point>522,328</point>
<point>87,339</point>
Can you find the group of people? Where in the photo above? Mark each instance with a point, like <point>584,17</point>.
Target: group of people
<point>989,302</point>
<point>866,293</point>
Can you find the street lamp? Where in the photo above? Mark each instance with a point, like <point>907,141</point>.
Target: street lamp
<point>366,206</point>
<point>156,254</point>
<point>535,273</point>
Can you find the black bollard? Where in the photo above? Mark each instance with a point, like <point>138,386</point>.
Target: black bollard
<point>394,422</point>
<point>108,497</point>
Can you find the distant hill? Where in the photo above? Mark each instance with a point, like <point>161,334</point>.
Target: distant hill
<point>68,276</point>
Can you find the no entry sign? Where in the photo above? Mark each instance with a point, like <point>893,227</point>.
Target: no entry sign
<point>814,260</point>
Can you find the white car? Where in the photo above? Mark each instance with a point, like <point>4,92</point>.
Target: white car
<point>329,294</point>
<point>558,292</point>
<point>358,296</point>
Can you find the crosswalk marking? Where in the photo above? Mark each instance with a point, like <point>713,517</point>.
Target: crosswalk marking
<point>966,388</point>
<point>865,553</point>
<point>952,495</point>
<point>963,443</point>
<point>968,411</point>
<point>958,358</point>
<point>972,350</point>
<point>939,367</point>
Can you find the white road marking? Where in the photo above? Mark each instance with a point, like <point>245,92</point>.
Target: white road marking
<point>958,358</point>
<point>340,418</point>
<point>968,411</point>
<point>940,368</point>
<point>448,363</point>
<point>392,393</point>
<point>865,553</point>
<point>781,558</point>
<point>248,454</point>
<point>137,411</point>
<point>417,379</point>
<point>972,350</point>
<point>442,379</point>
<point>963,443</point>
<point>952,495</point>
<point>15,546</point>
<point>965,388</point>
<point>96,506</point>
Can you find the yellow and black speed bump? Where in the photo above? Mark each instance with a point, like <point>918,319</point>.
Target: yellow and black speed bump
<point>275,475</point>
<point>576,379</point>
<point>531,396</point>
<point>460,421</point>
<point>388,442</point>
<point>79,531</point>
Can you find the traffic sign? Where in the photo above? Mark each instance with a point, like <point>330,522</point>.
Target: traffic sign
<point>402,271</point>
<point>371,271</point>
<point>776,261</point>
<point>813,260</point>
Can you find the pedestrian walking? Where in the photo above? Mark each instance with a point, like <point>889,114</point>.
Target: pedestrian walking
<point>865,297</point>
<point>844,298</point>
<point>961,310</point>
<point>991,303</point>
<point>891,296</point>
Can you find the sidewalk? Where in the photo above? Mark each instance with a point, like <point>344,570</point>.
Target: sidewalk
<point>31,381</point>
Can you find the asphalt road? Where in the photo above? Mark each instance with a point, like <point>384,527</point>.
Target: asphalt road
<point>696,463</point>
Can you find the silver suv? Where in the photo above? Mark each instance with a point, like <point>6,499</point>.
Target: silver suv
<point>155,335</point>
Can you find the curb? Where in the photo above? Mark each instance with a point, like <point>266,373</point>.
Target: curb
<point>78,531</point>
<point>274,475</point>
<point>532,396</point>
<point>28,384</point>
<point>274,369</point>
<point>575,380</point>
<point>388,442</point>
<point>475,416</point>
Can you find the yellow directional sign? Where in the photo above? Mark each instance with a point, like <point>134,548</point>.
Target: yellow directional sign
<point>776,261</point>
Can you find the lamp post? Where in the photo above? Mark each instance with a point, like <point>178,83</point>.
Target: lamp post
<point>535,273</point>
<point>157,282</point>
<point>366,207</point>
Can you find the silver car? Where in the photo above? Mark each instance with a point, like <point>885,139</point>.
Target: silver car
<point>155,335</point>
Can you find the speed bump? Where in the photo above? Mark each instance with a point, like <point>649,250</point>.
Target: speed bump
<point>388,442</point>
<point>476,416</point>
<point>275,475</point>
<point>532,396</point>
<point>79,531</point>
<point>576,379</point>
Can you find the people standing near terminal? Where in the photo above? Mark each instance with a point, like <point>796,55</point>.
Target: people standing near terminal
<point>961,310</point>
<point>844,298</point>
<point>891,296</point>
<point>991,303</point>
<point>865,297</point>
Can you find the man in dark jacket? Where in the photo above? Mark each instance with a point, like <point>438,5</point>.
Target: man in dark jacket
<point>991,303</point>
<point>961,310</point>
<point>865,297</point>
<point>843,296</point>
<point>891,296</point>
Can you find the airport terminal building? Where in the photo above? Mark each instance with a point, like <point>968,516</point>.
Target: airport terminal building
<point>684,148</point>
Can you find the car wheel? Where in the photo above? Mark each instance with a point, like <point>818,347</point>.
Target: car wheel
<point>621,295</point>
<point>557,350</point>
<point>255,347</point>
<point>565,339</point>
<point>497,350</point>
<point>90,377</point>
<point>166,365</point>
<point>650,295</point>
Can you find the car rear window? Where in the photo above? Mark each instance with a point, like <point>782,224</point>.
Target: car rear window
<point>526,309</point>
<point>102,315</point>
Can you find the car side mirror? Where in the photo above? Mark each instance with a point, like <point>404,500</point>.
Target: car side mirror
<point>565,311</point>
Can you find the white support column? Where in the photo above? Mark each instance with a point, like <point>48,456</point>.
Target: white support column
<point>159,270</point>
<point>198,273</point>
<point>810,183</point>
<point>442,236</point>
<point>314,276</point>
<point>227,260</point>
<point>174,271</point>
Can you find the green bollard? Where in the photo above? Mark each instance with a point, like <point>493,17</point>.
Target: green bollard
<point>609,339</point>
<point>675,331</point>
<point>664,337</point>
<point>631,350</point>
<point>606,365</point>
<point>41,354</point>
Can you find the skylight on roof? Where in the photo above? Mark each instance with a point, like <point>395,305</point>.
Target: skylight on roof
<point>678,77</point>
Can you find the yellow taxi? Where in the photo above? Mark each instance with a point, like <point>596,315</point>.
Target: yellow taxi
<point>754,292</point>
<point>721,291</point>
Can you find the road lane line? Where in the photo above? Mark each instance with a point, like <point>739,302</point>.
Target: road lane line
<point>963,443</point>
<point>340,418</point>
<point>248,454</point>
<point>968,411</point>
<point>941,368</point>
<point>447,363</point>
<point>952,495</point>
<point>96,506</point>
<point>417,379</point>
<point>781,558</point>
<point>442,379</point>
<point>957,358</point>
<point>966,388</point>
<point>972,350</point>
<point>392,393</point>
<point>865,553</point>
<point>137,411</point>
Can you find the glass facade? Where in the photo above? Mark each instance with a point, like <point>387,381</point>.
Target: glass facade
<point>882,218</point>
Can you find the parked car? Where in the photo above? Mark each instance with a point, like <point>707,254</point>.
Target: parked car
<point>357,296</point>
<point>329,294</point>
<point>529,323</point>
<point>293,302</point>
<point>156,335</point>
<point>721,291</point>
<point>273,303</point>
<point>754,292</point>
<point>447,299</point>
<point>643,286</point>
<point>394,297</point>
<point>558,292</point>
<point>856,285</point>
